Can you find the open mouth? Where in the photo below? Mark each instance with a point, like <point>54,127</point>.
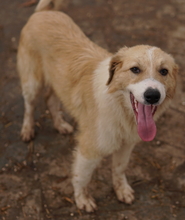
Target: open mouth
<point>144,117</point>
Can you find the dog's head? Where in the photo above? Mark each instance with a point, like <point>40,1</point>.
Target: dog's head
<point>147,77</point>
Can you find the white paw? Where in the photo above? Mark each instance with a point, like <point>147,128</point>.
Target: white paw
<point>125,193</point>
<point>85,202</point>
<point>27,133</point>
<point>64,128</point>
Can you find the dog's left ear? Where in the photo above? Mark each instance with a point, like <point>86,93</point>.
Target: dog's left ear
<point>175,70</point>
<point>115,64</point>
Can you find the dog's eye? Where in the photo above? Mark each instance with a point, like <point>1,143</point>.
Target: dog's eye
<point>163,72</point>
<point>135,70</point>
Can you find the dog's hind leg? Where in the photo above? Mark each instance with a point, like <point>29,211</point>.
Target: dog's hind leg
<point>82,172</point>
<point>29,90</point>
<point>53,104</point>
<point>120,160</point>
<point>29,68</point>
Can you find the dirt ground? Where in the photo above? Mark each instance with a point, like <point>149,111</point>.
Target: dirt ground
<point>35,181</point>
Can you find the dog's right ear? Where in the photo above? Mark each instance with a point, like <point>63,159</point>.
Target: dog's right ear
<point>115,64</point>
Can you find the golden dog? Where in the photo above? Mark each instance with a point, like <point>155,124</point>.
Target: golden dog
<point>115,98</point>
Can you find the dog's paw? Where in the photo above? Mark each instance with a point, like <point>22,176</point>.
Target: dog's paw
<point>64,128</point>
<point>125,193</point>
<point>86,203</point>
<point>27,133</point>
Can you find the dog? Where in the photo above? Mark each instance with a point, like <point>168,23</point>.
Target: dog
<point>114,98</point>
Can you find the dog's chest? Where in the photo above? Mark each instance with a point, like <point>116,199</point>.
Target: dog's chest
<point>113,129</point>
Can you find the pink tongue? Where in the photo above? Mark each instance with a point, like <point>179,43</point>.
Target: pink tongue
<point>146,126</point>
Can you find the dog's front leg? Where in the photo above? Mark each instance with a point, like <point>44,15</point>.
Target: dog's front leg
<point>82,172</point>
<point>119,163</point>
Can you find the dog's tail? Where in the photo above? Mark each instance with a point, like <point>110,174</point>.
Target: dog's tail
<point>45,5</point>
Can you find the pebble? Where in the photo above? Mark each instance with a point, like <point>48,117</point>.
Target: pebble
<point>13,39</point>
<point>24,163</point>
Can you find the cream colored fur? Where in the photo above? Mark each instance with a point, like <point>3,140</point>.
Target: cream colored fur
<point>49,5</point>
<point>93,85</point>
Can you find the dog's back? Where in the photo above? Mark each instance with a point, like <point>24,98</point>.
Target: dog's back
<point>54,51</point>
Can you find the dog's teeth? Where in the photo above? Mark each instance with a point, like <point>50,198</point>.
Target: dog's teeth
<point>153,109</point>
<point>135,104</point>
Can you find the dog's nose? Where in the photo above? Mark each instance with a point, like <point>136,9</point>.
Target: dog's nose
<point>152,96</point>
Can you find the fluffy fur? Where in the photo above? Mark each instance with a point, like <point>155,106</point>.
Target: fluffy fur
<point>95,87</point>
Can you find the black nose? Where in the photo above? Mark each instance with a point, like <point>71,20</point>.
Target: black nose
<point>152,96</point>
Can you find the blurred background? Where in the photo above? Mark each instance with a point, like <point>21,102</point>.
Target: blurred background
<point>35,177</point>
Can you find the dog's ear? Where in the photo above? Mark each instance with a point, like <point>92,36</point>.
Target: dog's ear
<point>175,70</point>
<point>115,63</point>
<point>174,77</point>
<point>44,5</point>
